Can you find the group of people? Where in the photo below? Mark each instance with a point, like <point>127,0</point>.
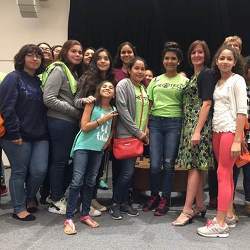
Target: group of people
<point>71,107</point>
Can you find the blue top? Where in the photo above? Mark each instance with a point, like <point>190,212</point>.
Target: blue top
<point>94,139</point>
<point>21,104</point>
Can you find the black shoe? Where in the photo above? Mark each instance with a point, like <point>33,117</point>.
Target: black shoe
<point>29,217</point>
<point>129,210</point>
<point>115,213</point>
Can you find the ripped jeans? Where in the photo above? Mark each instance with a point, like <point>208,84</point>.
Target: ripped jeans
<point>164,135</point>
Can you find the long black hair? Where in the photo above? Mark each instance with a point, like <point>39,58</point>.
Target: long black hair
<point>93,76</point>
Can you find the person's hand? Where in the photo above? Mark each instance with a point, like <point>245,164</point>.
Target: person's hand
<point>196,138</point>
<point>108,116</point>
<point>89,99</point>
<point>143,137</point>
<point>18,141</point>
<point>235,149</point>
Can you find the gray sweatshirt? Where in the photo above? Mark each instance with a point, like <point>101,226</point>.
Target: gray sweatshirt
<point>58,97</point>
<point>126,107</point>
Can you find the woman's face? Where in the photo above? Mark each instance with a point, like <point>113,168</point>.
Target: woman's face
<point>137,72</point>
<point>170,61</point>
<point>107,90</point>
<point>56,52</point>
<point>32,62</point>
<point>103,62</point>
<point>197,56</point>
<point>88,54</point>
<point>74,54</point>
<point>225,61</point>
<point>148,76</point>
<point>47,53</point>
<point>126,54</point>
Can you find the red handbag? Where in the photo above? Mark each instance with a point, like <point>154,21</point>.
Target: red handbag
<point>130,147</point>
<point>125,148</point>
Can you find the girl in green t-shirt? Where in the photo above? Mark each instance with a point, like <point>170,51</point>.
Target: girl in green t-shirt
<point>165,96</point>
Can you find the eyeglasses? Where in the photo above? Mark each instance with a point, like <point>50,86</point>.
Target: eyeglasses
<point>34,56</point>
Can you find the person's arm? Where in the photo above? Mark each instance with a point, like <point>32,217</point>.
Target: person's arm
<point>88,125</point>
<point>51,92</point>
<point>81,97</point>
<point>8,99</point>
<point>206,82</point>
<point>203,114</point>
<point>240,95</point>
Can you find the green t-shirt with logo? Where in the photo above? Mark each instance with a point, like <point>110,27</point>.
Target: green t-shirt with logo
<point>142,107</point>
<point>166,95</point>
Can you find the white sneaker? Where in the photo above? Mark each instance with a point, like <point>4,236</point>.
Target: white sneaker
<point>94,212</point>
<point>213,230</point>
<point>58,207</point>
<point>231,222</point>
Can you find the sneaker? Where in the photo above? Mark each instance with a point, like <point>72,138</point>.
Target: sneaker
<point>69,227</point>
<point>58,207</point>
<point>231,222</point>
<point>94,212</point>
<point>152,203</point>
<point>3,190</point>
<point>129,210</point>
<point>103,185</point>
<point>115,213</point>
<point>162,208</point>
<point>95,204</point>
<point>213,229</point>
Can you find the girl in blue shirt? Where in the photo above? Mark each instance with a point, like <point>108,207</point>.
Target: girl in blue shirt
<point>87,151</point>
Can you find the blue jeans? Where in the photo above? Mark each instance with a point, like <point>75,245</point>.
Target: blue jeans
<point>2,178</point>
<point>85,170</point>
<point>29,162</point>
<point>124,175</point>
<point>164,143</point>
<point>62,134</point>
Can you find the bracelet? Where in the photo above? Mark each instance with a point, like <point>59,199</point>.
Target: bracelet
<point>97,122</point>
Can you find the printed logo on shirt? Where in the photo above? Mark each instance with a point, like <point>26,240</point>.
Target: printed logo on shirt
<point>104,131</point>
<point>171,85</point>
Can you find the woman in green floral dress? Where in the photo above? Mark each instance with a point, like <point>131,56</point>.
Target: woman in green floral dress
<point>195,151</point>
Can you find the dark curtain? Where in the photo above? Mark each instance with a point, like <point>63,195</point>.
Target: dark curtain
<point>148,24</point>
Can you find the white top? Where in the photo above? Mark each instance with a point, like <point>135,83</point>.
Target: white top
<point>230,99</point>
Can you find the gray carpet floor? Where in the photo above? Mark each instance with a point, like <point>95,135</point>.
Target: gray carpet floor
<point>143,232</point>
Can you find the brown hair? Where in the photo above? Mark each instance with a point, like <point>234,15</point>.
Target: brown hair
<point>205,48</point>
<point>238,68</point>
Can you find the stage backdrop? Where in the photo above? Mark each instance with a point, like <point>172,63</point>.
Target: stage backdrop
<point>148,24</point>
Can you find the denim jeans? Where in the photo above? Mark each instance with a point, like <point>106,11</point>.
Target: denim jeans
<point>29,162</point>
<point>85,170</point>
<point>62,134</point>
<point>124,175</point>
<point>164,142</point>
<point>246,179</point>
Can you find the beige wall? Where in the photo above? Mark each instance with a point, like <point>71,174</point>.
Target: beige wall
<point>51,26</point>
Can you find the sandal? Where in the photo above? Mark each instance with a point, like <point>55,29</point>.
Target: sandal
<point>89,221</point>
<point>69,227</point>
<point>200,211</point>
<point>183,219</point>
